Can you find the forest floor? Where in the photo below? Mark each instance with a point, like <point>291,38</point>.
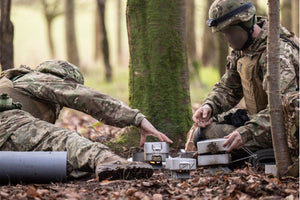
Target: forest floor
<point>244,182</point>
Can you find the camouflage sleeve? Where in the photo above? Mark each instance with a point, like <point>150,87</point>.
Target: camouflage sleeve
<point>79,97</point>
<point>258,128</point>
<point>228,91</point>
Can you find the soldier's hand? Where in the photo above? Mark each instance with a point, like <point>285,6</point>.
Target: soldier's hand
<point>148,129</point>
<point>234,140</point>
<point>202,116</point>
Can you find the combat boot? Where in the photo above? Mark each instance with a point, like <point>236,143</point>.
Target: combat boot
<point>112,167</point>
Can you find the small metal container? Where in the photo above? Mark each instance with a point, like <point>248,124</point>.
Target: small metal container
<point>180,163</point>
<point>215,159</point>
<point>180,167</point>
<point>156,151</point>
<point>212,146</point>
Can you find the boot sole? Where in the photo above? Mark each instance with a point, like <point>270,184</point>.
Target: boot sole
<point>127,172</point>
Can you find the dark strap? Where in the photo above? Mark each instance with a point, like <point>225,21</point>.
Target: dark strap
<point>290,41</point>
<point>215,22</point>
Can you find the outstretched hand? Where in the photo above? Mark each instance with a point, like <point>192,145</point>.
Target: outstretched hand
<point>148,129</point>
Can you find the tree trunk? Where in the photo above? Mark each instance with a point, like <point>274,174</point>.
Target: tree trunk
<point>191,41</point>
<point>159,77</point>
<point>50,40</point>
<point>295,17</point>
<point>6,37</point>
<point>286,14</point>
<point>222,54</point>
<point>281,151</point>
<point>71,44</point>
<point>51,11</point>
<point>119,31</point>
<point>209,45</point>
<point>98,36</point>
<point>105,47</point>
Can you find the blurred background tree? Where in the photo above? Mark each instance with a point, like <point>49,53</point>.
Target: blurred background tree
<point>193,62</point>
<point>104,40</point>
<point>51,11</point>
<point>71,40</point>
<point>6,36</point>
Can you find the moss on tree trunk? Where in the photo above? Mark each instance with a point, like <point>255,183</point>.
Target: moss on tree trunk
<point>159,79</point>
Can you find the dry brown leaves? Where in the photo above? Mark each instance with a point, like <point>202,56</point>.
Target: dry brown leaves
<point>240,184</point>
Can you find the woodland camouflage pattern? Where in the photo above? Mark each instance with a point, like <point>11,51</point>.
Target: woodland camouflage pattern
<point>20,131</point>
<point>228,92</point>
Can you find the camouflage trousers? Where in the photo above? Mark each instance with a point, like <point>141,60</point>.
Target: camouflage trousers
<point>20,131</point>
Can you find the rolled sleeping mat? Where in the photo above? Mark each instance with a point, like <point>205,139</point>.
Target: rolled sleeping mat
<point>33,167</point>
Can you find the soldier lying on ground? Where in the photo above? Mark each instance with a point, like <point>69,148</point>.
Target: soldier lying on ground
<point>42,93</point>
<point>246,76</point>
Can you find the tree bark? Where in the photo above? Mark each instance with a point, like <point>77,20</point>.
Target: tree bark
<point>191,41</point>
<point>104,43</point>
<point>286,14</point>
<point>295,17</point>
<point>209,44</point>
<point>6,37</point>
<point>159,77</point>
<point>222,54</point>
<point>50,13</point>
<point>119,31</point>
<point>71,42</point>
<point>281,151</point>
<point>98,36</point>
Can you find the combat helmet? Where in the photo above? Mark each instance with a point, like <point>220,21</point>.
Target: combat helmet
<point>62,69</point>
<point>224,13</point>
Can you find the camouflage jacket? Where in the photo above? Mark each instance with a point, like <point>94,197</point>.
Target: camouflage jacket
<point>65,92</point>
<point>228,91</point>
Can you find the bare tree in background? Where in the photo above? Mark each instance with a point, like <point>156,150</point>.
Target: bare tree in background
<point>282,156</point>
<point>191,41</point>
<point>223,51</point>
<point>208,54</point>
<point>105,47</point>
<point>98,36</point>
<point>286,14</point>
<point>295,17</point>
<point>51,11</point>
<point>71,44</point>
<point>6,37</point>
<point>119,31</point>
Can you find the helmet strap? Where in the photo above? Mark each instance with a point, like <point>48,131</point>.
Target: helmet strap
<point>250,31</point>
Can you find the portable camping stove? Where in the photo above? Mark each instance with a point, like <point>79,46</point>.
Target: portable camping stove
<point>180,167</point>
<point>155,153</point>
<point>212,154</point>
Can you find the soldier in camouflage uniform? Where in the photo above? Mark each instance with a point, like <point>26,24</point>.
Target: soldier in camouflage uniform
<point>246,76</point>
<point>42,93</point>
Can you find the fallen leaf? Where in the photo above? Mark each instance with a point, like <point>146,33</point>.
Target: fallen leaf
<point>3,194</point>
<point>31,191</point>
<point>157,197</point>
